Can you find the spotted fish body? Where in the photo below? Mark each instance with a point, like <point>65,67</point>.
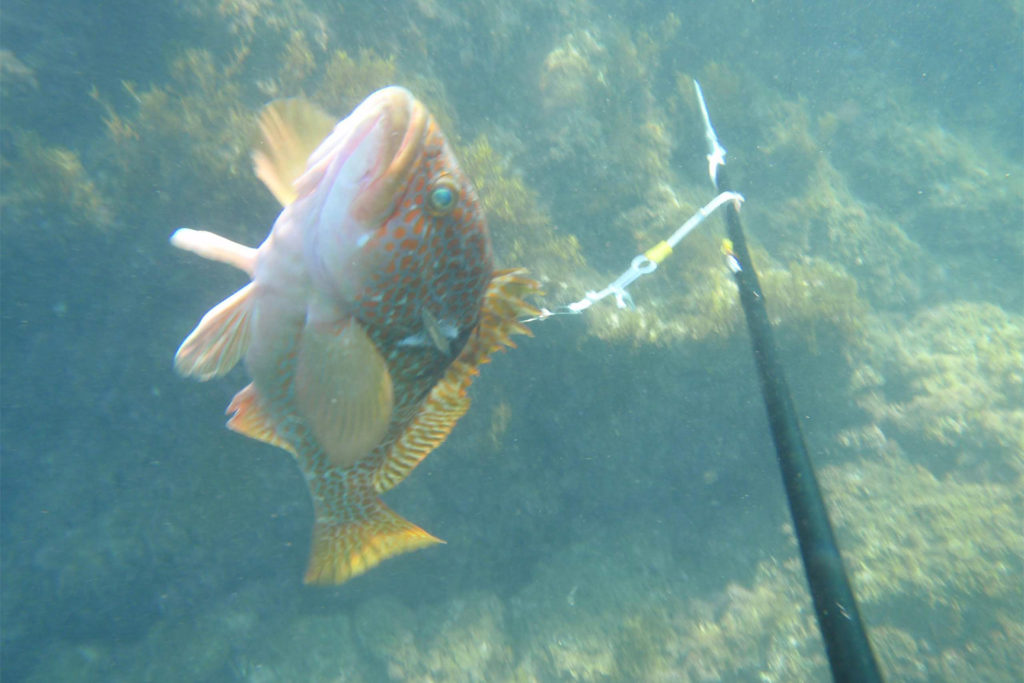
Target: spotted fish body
<point>374,299</point>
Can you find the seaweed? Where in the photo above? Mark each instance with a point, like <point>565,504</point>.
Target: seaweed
<point>45,182</point>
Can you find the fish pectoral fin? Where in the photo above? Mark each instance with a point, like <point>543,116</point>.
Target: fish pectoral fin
<point>219,340</point>
<point>212,246</point>
<point>249,418</point>
<point>359,533</point>
<point>290,129</point>
<point>344,390</point>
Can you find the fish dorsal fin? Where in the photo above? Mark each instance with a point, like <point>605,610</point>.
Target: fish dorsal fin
<point>219,340</point>
<point>344,390</point>
<point>290,129</point>
<point>504,304</point>
<point>249,418</point>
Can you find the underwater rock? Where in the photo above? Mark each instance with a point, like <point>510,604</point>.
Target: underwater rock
<point>810,211</point>
<point>958,195</point>
<point>935,543</point>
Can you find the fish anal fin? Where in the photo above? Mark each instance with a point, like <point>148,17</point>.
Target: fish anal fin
<point>249,418</point>
<point>219,340</point>
<point>366,533</point>
<point>290,129</point>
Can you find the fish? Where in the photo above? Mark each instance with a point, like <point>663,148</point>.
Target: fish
<point>371,305</point>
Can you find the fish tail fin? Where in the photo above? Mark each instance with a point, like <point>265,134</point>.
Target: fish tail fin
<point>359,533</point>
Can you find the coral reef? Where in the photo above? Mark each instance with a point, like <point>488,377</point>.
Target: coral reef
<point>602,122</point>
<point>467,640</point>
<point>624,604</point>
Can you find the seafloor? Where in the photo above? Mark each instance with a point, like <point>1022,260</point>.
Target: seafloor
<point>611,504</point>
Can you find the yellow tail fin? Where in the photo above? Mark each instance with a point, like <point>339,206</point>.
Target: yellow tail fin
<point>360,538</point>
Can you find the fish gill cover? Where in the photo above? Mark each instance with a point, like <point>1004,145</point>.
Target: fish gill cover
<point>610,503</point>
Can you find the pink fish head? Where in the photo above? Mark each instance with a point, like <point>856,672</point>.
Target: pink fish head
<point>352,182</point>
<point>393,227</point>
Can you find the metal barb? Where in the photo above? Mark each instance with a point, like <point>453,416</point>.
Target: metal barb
<point>716,153</point>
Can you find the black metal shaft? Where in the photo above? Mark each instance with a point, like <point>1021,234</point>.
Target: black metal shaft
<point>846,643</point>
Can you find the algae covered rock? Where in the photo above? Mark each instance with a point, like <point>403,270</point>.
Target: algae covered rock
<point>44,182</point>
<point>953,388</point>
<point>940,559</point>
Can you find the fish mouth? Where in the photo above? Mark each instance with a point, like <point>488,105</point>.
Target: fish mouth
<point>394,122</point>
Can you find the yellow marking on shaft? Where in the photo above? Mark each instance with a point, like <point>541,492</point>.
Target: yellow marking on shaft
<point>659,252</point>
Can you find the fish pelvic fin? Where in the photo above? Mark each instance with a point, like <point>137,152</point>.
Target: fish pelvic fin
<point>219,340</point>
<point>356,531</point>
<point>504,304</point>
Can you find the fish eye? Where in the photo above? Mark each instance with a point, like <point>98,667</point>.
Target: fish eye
<point>442,197</point>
